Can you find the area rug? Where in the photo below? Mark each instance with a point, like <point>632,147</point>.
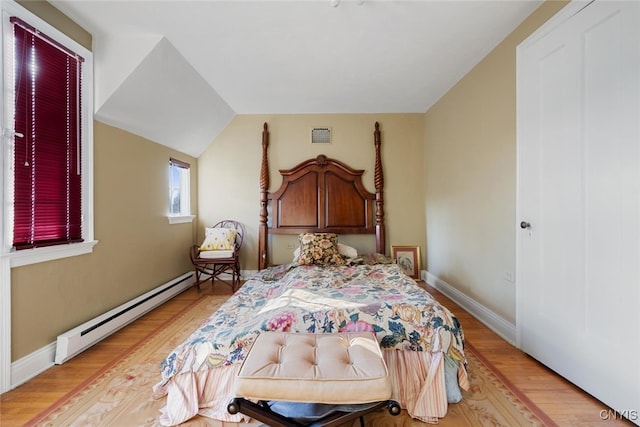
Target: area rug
<point>120,394</point>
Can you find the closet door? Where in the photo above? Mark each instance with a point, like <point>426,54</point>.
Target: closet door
<point>578,239</point>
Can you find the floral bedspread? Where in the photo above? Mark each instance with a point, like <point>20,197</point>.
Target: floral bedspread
<point>316,299</point>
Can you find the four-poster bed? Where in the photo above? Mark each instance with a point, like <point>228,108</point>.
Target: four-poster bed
<point>321,195</point>
<point>326,288</point>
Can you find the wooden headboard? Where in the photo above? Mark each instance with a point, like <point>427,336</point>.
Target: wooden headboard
<point>320,195</point>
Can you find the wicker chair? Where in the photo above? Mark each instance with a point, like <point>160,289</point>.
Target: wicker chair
<point>211,264</point>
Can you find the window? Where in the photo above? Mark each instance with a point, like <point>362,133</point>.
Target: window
<point>47,130</point>
<point>46,163</point>
<point>179,192</point>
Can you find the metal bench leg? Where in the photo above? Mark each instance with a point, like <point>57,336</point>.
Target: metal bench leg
<point>262,412</point>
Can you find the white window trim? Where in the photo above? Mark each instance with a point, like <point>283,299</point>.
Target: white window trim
<point>180,219</point>
<point>48,253</point>
<point>36,255</point>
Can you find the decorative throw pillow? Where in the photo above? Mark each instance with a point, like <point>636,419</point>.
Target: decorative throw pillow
<point>344,250</point>
<point>319,249</point>
<point>377,258</point>
<point>371,259</point>
<point>218,239</point>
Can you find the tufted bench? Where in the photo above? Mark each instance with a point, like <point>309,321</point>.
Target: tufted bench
<point>324,379</point>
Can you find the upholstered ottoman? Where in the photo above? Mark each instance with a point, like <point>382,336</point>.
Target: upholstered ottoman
<point>312,379</point>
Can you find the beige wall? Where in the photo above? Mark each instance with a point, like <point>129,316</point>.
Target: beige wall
<point>470,167</point>
<point>137,250</point>
<point>62,22</point>
<point>458,161</point>
<point>230,170</point>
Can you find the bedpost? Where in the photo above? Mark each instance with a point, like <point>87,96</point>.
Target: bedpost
<point>379,183</point>
<point>264,187</point>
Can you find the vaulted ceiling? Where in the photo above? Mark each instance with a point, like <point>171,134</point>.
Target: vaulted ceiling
<point>178,71</point>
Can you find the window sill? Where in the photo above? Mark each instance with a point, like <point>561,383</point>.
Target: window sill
<point>180,219</point>
<point>48,253</point>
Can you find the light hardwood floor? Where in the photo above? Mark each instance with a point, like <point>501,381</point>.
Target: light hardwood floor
<point>563,402</point>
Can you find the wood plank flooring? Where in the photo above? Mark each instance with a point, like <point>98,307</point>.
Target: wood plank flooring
<point>566,404</point>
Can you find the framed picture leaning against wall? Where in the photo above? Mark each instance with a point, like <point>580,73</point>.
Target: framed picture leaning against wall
<point>408,258</point>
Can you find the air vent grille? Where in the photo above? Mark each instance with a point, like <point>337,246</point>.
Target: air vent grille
<point>321,135</point>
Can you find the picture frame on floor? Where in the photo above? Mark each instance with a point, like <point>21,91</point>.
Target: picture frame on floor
<point>408,258</point>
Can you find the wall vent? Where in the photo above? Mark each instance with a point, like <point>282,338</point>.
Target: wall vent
<point>321,135</point>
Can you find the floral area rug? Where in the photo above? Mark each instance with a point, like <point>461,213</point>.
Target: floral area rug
<point>120,394</point>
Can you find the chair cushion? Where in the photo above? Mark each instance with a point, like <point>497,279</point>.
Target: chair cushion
<point>215,254</point>
<point>344,368</point>
<point>216,239</point>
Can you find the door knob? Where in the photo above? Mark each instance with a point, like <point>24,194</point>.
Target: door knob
<point>524,225</point>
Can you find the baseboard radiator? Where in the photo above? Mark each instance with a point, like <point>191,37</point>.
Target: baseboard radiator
<point>84,336</point>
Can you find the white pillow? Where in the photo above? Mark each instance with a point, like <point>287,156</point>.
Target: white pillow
<point>344,250</point>
<point>347,251</point>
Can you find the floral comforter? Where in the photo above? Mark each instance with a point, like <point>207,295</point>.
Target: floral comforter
<point>314,299</point>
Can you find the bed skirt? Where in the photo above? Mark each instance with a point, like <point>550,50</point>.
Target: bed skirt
<point>417,379</point>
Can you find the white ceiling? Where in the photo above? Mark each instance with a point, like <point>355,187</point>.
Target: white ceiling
<point>178,71</point>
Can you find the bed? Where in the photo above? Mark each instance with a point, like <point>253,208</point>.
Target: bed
<point>326,288</point>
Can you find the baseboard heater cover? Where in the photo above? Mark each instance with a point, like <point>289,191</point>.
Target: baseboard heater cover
<point>78,339</point>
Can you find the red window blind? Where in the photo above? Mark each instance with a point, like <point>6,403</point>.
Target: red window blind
<point>47,155</point>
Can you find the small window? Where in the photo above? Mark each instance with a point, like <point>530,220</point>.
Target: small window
<point>179,191</point>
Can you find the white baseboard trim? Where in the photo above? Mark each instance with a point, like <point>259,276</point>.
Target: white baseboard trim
<point>489,318</point>
<point>22,370</point>
<point>248,274</point>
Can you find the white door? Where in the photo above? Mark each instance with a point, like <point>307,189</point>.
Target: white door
<point>578,241</point>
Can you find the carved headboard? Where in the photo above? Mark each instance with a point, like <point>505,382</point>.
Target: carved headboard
<point>320,195</point>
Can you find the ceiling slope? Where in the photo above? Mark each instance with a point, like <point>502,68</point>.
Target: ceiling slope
<point>166,100</point>
<point>177,71</point>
